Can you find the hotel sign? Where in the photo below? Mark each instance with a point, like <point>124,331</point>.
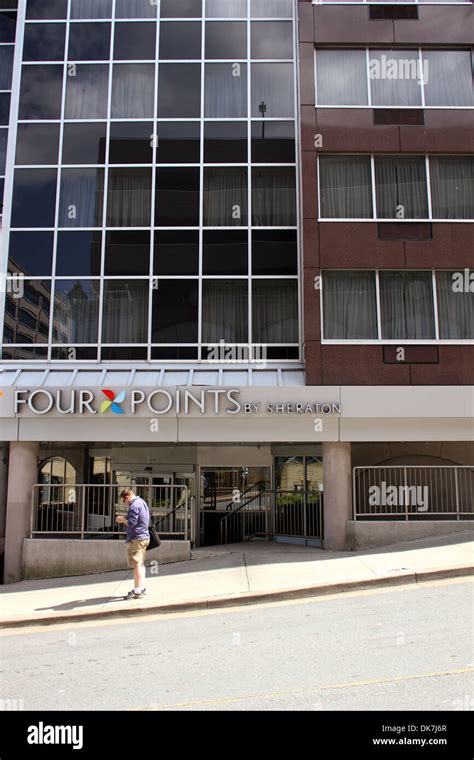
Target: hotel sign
<point>167,401</point>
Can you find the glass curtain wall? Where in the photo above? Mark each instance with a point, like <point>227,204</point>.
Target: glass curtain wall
<point>154,207</point>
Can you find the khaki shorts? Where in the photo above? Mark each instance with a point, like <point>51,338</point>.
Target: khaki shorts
<point>136,551</point>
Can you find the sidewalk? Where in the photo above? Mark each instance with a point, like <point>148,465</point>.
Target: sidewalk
<point>226,576</point>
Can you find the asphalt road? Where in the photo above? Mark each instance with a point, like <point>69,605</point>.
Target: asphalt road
<point>406,648</point>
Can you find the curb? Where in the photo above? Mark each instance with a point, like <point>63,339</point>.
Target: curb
<point>243,599</point>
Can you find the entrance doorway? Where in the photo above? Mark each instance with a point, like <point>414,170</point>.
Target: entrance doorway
<point>170,496</point>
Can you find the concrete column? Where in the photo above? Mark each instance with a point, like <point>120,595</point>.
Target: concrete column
<point>337,494</point>
<point>22,475</point>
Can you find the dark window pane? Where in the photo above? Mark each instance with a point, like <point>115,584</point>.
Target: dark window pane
<point>181,8</point>
<point>34,198</point>
<point>86,91</point>
<point>178,143</point>
<point>274,253</point>
<point>31,253</point>
<point>175,312</point>
<point>272,39</point>
<point>225,94</point>
<point>135,42</point>
<point>30,321</point>
<point>41,92</point>
<point>182,78</point>
<point>131,143</point>
<point>129,202</point>
<point>82,197</point>
<point>3,149</point>
<point>180,40</point>
<point>91,8</point>
<point>89,42</point>
<point>282,353</point>
<point>80,354</point>
<point>76,311</point>
<point>124,354</point>
<point>135,9</point>
<point>2,188</point>
<point>25,354</point>
<point>225,252</point>
<point>44,42</point>
<point>177,198</point>
<point>400,183</point>
<point>225,197</point>
<point>226,39</point>
<point>78,254</point>
<point>133,91</point>
<point>225,142</point>
<point>406,305</point>
<point>176,252</point>
<point>37,144</point>
<point>84,143</point>
<point>273,142</point>
<point>225,311</point>
<point>345,187</point>
<point>6,66</point>
<point>185,353</point>
<point>127,253</point>
<point>7,26</point>
<point>275,311</point>
<point>273,89</point>
<point>125,311</point>
<point>4,109</point>
<point>39,9</point>
<point>274,197</point>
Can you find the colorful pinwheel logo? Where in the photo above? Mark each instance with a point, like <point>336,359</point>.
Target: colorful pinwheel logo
<point>113,401</point>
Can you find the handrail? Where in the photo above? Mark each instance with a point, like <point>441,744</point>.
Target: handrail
<point>249,501</point>
<point>250,488</point>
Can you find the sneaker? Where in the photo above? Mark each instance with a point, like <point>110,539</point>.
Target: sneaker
<point>133,595</point>
<point>143,591</point>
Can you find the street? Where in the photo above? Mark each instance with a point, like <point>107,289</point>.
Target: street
<point>403,648</point>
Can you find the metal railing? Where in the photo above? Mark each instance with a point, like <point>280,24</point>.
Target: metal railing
<point>413,492</point>
<point>284,513</point>
<point>89,511</point>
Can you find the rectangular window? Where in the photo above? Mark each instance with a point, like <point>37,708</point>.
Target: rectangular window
<point>41,92</point>
<point>44,42</point>
<point>131,142</point>
<point>6,66</point>
<point>129,197</point>
<point>78,254</point>
<point>225,90</point>
<point>175,312</point>
<point>226,39</point>
<point>225,252</point>
<point>125,311</point>
<point>177,197</point>
<point>31,252</point>
<point>345,187</point>
<point>341,78</point>
<point>87,88</point>
<point>401,187</point>
<point>226,8</point>
<point>273,90</point>
<point>273,197</point>
<point>37,144</point>
<point>271,8</point>
<point>34,198</point>
<point>46,9</point>
<point>91,9</point>
<point>225,197</point>
<point>176,252</point>
<point>76,311</point>
<point>127,253</point>
<point>448,78</point>
<point>452,187</point>
<point>135,9</point>
<point>350,305</point>
<point>395,78</point>
<point>135,42</point>
<point>89,42</point>
<point>182,78</point>
<point>455,305</point>
<point>82,197</point>
<point>407,306</point>
<point>225,311</point>
<point>133,87</point>
<point>84,143</point>
<point>225,142</point>
<point>275,311</point>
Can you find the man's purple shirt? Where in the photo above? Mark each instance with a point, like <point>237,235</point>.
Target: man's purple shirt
<point>138,519</point>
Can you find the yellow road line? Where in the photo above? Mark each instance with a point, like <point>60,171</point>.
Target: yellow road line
<point>270,695</point>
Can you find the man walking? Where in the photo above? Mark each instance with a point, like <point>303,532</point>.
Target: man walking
<point>138,538</point>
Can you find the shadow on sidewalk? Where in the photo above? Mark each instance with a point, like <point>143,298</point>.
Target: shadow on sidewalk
<point>101,600</point>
